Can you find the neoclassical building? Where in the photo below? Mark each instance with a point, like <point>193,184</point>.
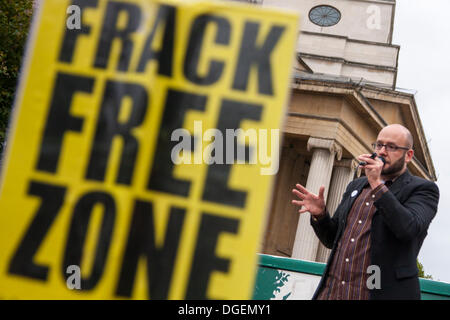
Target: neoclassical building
<point>343,93</point>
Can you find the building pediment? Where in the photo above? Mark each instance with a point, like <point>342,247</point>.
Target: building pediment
<point>352,114</point>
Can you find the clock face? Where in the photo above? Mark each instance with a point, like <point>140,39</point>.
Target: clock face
<point>324,16</point>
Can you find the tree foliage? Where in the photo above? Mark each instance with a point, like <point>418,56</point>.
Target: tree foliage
<point>422,272</point>
<point>15,17</point>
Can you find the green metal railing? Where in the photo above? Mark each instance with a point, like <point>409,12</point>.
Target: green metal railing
<point>269,277</point>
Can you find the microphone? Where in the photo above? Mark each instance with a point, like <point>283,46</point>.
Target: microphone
<point>372,156</point>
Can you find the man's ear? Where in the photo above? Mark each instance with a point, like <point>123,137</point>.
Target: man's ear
<point>409,155</point>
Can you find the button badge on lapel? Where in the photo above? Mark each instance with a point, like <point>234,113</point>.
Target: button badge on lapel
<point>354,193</point>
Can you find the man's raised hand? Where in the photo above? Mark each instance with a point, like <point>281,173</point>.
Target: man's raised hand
<point>314,204</point>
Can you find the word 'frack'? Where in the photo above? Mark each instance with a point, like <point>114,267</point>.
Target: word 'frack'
<point>252,54</point>
<point>177,104</point>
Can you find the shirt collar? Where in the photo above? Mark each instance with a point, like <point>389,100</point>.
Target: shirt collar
<point>391,180</point>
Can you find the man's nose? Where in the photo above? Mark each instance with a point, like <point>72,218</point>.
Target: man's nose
<point>382,151</point>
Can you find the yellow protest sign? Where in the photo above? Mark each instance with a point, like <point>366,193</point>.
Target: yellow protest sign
<point>142,149</point>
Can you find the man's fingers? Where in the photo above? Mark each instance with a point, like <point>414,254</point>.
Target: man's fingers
<point>368,159</point>
<point>298,194</point>
<point>367,155</point>
<point>298,203</point>
<point>302,188</point>
<point>374,166</point>
<point>321,192</point>
<point>303,210</point>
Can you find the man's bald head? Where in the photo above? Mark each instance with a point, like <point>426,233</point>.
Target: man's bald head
<point>400,132</point>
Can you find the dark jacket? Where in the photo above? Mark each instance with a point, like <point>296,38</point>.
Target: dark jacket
<point>399,226</point>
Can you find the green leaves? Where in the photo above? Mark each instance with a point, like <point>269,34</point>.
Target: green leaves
<point>15,17</point>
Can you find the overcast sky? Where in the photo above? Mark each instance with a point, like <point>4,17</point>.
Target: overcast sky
<point>423,32</point>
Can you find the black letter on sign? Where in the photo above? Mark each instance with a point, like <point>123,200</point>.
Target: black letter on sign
<point>194,49</point>
<point>205,259</point>
<point>77,236</point>
<point>71,36</point>
<point>108,126</point>
<point>166,15</point>
<point>22,262</point>
<point>250,55</point>
<point>160,259</point>
<point>59,119</point>
<point>230,117</point>
<point>110,31</point>
<point>177,103</point>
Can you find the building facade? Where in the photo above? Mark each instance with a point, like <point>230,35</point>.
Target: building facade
<point>349,38</point>
<point>343,93</point>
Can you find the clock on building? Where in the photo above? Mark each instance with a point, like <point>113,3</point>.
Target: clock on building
<point>324,16</point>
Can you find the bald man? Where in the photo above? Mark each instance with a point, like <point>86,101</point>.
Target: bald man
<point>378,228</point>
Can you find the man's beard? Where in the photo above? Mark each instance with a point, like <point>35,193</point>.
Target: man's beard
<point>395,167</point>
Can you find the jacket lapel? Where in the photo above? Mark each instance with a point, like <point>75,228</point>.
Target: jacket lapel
<point>395,188</point>
<point>398,184</point>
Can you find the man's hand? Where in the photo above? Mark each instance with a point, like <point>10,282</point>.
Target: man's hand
<point>372,169</point>
<point>311,203</point>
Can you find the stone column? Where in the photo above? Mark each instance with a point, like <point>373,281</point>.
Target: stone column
<point>324,152</point>
<point>343,173</point>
